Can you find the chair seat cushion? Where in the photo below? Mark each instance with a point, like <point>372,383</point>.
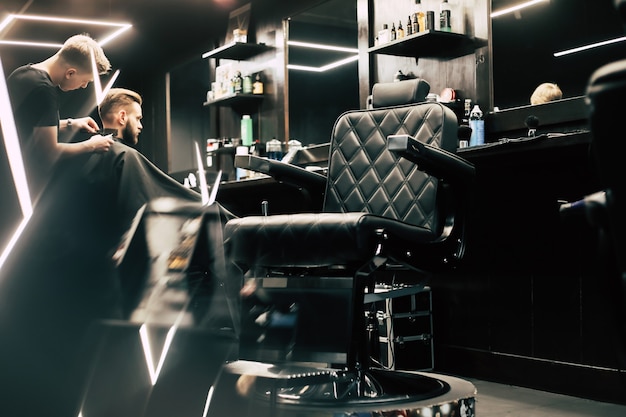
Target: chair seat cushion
<point>314,239</point>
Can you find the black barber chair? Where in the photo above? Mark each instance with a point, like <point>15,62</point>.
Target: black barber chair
<point>395,199</point>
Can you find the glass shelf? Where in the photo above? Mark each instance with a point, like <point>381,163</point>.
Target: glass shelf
<point>430,44</point>
<point>237,51</point>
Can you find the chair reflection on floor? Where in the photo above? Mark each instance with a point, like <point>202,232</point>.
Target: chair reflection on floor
<point>394,203</point>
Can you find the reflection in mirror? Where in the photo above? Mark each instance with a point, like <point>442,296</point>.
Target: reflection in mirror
<point>323,83</point>
<point>525,43</point>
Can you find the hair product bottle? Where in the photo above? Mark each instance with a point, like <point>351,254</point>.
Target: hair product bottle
<point>444,17</point>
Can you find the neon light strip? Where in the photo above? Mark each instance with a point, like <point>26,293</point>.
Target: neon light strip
<point>325,67</point>
<point>14,154</point>
<point>12,144</point>
<point>207,403</point>
<point>27,43</point>
<point>16,235</point>
<point>100,93</point>
<point>204,191</point>
<point>590,46</point>
<point>322,46</point>
<point>147,351</point>
<point>6,22</point>
<point>516,8</point>
<point>65,20</point>
<point>122,28</point>
<point>114,35</point>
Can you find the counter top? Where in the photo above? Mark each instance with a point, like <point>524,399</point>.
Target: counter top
<point>526,144</point>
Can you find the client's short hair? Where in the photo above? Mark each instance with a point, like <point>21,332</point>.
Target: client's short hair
<point>546,92</point>
<point>116,98</point>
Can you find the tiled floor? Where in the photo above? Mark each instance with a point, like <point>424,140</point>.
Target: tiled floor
<point>498,400</point>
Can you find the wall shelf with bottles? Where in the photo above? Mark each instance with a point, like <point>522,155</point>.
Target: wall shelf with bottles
<point>430,44</point>
<point>234,99</point>
<point>237,51</point>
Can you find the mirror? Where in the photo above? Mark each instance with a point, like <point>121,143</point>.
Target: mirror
<point>524,43</point>
<point>320,89</point>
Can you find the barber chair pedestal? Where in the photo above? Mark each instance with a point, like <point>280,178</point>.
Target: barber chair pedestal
<point>258,389</point>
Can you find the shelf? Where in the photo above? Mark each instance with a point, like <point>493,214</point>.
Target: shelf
<point>237,51</point>
<point>430,44</point>
<point>233,99</point>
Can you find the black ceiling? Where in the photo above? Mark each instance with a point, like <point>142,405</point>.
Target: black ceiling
<point>163,31</point>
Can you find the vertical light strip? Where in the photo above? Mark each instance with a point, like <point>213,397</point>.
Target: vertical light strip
<point>14,155</point>
<point>12,145</point>
<point>204,192</point>
<point>207,403</point>
<point>147,352</point>
<point>97,85</point>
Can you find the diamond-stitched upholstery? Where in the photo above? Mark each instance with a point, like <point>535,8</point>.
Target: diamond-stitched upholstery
<point>368,189</point>
<point>365,177</point>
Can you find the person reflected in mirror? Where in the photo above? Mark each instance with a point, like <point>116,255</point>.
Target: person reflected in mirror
<point>546,92</point>
<point>34,92</point>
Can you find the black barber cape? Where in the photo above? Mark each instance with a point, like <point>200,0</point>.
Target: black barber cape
<point>60,278</point>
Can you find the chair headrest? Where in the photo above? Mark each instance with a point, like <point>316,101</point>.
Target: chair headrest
<point>400,92</point>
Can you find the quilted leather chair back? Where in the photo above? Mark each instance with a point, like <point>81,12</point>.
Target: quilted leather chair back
<point>363,176</point>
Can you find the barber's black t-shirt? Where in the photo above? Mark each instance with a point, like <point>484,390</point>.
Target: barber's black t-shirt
<point>35,102</point>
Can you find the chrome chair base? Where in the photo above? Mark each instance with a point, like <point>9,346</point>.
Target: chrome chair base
<point>258,389</point>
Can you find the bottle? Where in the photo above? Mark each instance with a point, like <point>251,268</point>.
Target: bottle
<point>257,87</point>
<point>237,83</point>
<point>392,36</point>
<point>241,173</point>
<point>444,17</point>
<point>409,27</point>
<point>420,16</point>
<point>467,109</point>
<point>416,27</point>
<point>246,130</point>
<point>274,149</point>
<point>383,34</point>
<point>478,126</point>
<point>400,30</point>
<point>247,84</point>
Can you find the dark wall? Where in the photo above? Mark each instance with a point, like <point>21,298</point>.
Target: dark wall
<point>315,102</point>
<point>316,99</point>
<point>524,43</point>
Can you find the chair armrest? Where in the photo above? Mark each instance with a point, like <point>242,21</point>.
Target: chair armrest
<point>434,161</point>
<point>457,177</point>
<point>283,172</point>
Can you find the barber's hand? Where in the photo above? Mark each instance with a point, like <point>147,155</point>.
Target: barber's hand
<point>99,143</point>
<point>87,124</point>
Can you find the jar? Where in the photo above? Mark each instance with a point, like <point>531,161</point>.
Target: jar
<point>274,149</point>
